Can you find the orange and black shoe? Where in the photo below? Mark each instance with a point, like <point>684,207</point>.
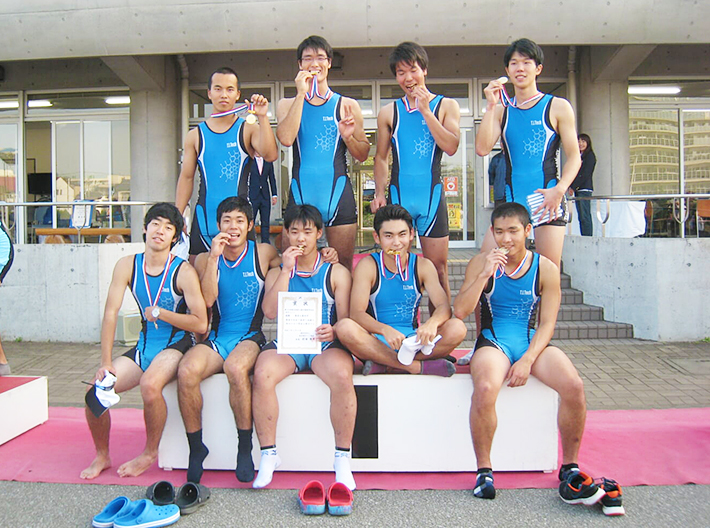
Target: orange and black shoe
<point>579,488</point>
<point>611,501</point>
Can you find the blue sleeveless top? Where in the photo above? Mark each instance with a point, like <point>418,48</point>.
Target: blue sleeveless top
<point>238,310</point>
<point>531,146</point>
<point>223,163</point>
<point>393,301</point>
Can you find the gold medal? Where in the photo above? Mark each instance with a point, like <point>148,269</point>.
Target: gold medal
<point>251,117</point>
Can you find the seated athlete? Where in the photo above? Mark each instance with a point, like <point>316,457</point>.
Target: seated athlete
<point>232,277</point>
<point>322,126</point>
<point>419,128</point>
<point>302,271</point>
<point>512,283</point>
<point>384,304</point>
<point>165,288</point>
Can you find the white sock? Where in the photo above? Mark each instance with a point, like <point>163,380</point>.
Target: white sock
<point>343,473</point>
<point>270,460</point>
<point>465,360</point>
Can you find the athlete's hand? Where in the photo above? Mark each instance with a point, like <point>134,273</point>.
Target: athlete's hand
<point>377,202</point>
<point>346,125</point>
<point>149,314</point>
<point>492,92</point>
<point>288,257</point>
<point>426,333</point>
<point>304,80</point>
<point>519,373</point>
<point>330,255</point>
<point>219,242</point>
<point>325,332</point>
<point>103,370</point>
<point>261,104</point>
<point>393,337</point>
<point>422,96</point>
<point>273,200</point>
<point>494,260</point>
<point>550,203</point>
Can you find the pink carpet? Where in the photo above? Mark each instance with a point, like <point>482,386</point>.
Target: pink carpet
<point>645,447</point>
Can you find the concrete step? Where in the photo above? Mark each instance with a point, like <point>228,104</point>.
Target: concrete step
<point>592,330</point>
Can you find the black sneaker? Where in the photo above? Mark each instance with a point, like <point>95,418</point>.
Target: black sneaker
<point>484,486</point>
<point>611,501</point>
<point>579,488</point>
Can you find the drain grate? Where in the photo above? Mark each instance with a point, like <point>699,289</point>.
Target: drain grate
<point>690,366</point>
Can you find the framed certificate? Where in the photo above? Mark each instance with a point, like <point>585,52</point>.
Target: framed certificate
<point>300,313</point>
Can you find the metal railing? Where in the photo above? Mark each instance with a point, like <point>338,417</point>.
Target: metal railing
<point>677,208</point>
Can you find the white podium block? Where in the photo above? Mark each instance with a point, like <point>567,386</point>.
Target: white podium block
<point>418,422</point>
<point>24,404</point>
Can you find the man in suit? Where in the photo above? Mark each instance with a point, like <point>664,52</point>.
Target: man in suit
<point>262,192</point>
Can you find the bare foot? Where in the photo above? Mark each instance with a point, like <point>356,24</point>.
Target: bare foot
<point>100,463</point>
<point>138,465</point>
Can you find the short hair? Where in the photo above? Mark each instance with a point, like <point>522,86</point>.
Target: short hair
<point>169,212</point>
<point>316,43</point>
<point>526,48</point>
<point>586,138</point>
<point>235,203</point>
<point>306,214</point>
<point>391,212</point>
<point>511,209</point>
<point>408,53</point>
<point>224,70</point>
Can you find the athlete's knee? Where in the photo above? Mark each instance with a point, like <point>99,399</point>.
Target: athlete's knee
<point>455,329</point>
<point>485,393</point>
<point>151,389</point>
<point>346,329</point>
<point>189,373</point>
<point>573,390</point>
<point>237,369</point>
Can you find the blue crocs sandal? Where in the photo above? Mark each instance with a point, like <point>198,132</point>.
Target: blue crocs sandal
<point>146,515</point>
<point>116,508</point>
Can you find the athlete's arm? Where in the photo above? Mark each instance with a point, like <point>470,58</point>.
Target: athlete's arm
<point>341,283</point>
<point>196,321</point>
<point>277,280</point>
<point>429,279</point>
<point>119,282</point>
<point>562,117</point>
<point>289,111</point>
<point>187,173</point>
<point>489,130</point>
<point>207,265</point>
<point>380,167</point>
<point>268,257</point>
<point>479,270</point>
<point>260,136</point>
<point>352,129</point>
<point>550,298</point>
<point>445,129</point>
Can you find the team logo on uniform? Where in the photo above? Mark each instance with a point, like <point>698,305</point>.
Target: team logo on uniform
<point>536,122</point>
<point>407,286</point>
<point>231,144</point>
<point>248,274</point>
<point>525,292</point>
<point>328,118</point>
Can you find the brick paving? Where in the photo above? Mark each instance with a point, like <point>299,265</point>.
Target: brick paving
<point>618,373</point>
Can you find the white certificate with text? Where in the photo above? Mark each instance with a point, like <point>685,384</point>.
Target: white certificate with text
<point>300,313</point>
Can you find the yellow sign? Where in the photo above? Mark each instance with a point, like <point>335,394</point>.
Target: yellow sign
<point>454,210</point>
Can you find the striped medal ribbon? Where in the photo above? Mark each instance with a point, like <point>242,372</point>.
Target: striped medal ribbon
<point>507,101</point>
<point>402,272</point>
<point>305,274</point>
<point>314,92</point>
<point>151,301</point>
<point>501,269</point>
<point>239,260</point>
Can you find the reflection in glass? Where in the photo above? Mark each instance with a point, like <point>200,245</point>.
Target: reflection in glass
<point>68,167</point>
<point>653,151</point>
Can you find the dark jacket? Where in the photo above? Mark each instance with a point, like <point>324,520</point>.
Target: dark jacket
<point>584,176</point>
<point>262,186</point>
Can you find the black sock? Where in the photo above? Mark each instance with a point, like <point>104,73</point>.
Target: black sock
<point>484,470</point>
<point>562,475</point>
<point>198,453</point>
<point>346,449</point>
<point>245,464</point>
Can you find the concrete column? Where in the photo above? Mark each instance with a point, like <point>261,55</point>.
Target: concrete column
<point>155,140</point>
<point>603,113</point>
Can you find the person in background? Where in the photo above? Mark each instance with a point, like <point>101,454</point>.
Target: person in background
<point>262,192</point>
<point>496,177</point>
<point>582,184</point>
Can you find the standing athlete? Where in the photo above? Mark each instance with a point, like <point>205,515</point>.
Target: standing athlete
<point>322,125</point>
<point>221,148</point>
<point>531,126</point>
<point>419,128</point>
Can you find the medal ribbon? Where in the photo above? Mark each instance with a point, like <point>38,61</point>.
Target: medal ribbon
<point>304,274</point>
<point>239,260</point>
<point>409,108</point>
<point>507,101</point>
<point>236,110</point>
<point>313,92</point>
<point>403,273</point>
<point>501,269</point>
<point>151,301</point>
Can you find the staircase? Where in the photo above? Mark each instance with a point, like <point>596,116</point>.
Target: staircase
<point>575,320</point>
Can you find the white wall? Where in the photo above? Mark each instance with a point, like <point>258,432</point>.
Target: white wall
<point>57,292</point>
<point>658,285</point>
